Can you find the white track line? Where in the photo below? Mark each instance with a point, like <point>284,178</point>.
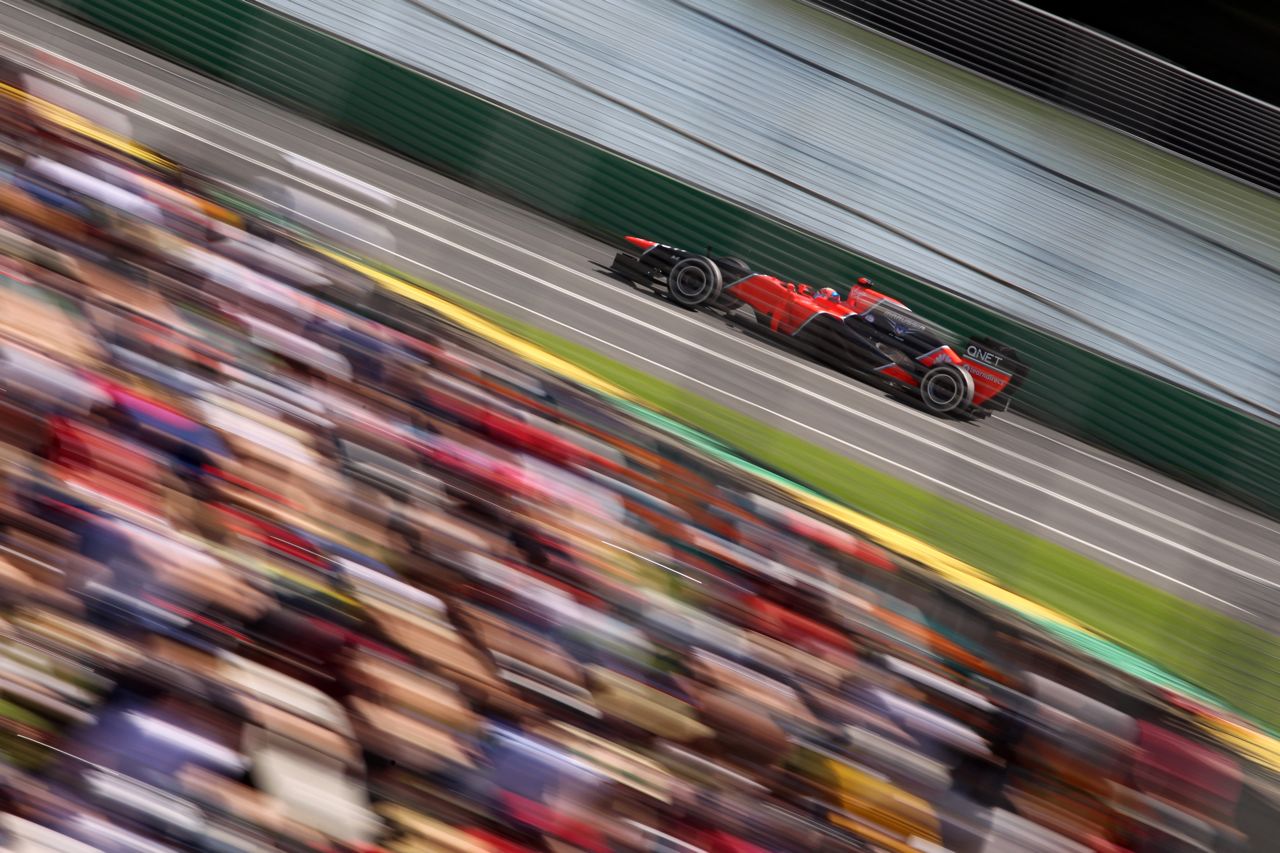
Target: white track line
<point>1235,513</point>
<point>665,333</point>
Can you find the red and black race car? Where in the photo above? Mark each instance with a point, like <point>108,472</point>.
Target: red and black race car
<point>864,332</point>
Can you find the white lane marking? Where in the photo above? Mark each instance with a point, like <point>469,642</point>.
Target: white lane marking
<point>317,169</point>
<point>1134,504</point>
<point>665,333</point>
<point>1236,513</point>
<point>683,316</point>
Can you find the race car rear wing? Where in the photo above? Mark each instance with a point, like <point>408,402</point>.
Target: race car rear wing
<point>996,370</point>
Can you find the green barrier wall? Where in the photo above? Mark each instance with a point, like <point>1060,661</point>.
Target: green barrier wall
<point>1071,388</point>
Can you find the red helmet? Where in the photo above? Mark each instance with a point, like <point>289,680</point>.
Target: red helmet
<point>864,282</point>
<point>829,293</point>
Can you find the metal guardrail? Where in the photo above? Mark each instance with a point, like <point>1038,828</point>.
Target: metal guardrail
<point>1090,73</point>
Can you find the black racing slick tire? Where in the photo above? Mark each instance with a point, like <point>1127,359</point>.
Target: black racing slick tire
<point>946,389</point>
<point>694,283</point>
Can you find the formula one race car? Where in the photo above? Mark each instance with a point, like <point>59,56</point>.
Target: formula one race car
<point>866,332</point>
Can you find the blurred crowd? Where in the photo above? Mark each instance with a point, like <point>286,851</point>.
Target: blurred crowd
<point>276,576</point>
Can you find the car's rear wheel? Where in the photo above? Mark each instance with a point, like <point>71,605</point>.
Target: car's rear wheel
<point>946,389</point>
<point>694,283</point>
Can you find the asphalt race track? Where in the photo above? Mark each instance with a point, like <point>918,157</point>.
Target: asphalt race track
<point>1141,523</point>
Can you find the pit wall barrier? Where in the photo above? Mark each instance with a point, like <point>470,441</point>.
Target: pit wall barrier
<point>1071,388</point>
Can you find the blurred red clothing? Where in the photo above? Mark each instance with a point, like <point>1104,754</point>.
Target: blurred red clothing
<point>787,625</point>
<point>554,824</point>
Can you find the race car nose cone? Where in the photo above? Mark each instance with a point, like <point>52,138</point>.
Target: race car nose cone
<point>641,243</point>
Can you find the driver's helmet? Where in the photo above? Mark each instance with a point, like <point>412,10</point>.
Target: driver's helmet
<point>829,293</point>
<point>864,282</point>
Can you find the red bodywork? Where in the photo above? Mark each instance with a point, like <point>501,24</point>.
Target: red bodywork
<point>789,307</point>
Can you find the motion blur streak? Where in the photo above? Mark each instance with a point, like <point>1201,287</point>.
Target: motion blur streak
<point>303,555</point>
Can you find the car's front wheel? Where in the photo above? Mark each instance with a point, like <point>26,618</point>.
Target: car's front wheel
<point>946,389</point>
<point>694,283</point>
